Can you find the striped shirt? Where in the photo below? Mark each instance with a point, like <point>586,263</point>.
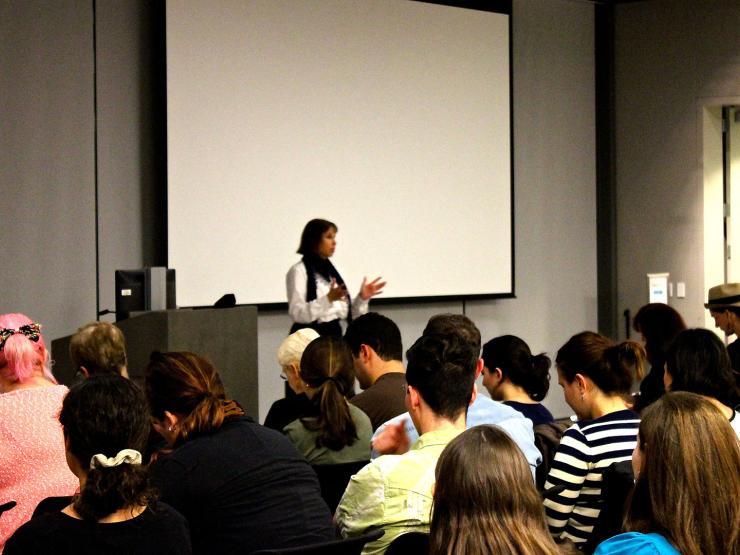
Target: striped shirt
<point>586,449</point>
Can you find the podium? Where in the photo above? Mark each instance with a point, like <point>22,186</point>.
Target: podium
<point>225,336</point>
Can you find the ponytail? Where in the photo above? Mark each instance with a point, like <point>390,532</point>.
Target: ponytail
<point>110,489</point>
<point>187,384</point>
<point>612,367</point>
<point>334,423</point>
<point>327,366</point>
<point>537,380</point>
<point>207,417</point>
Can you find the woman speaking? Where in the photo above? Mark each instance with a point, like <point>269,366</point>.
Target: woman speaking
<point>317,294</point>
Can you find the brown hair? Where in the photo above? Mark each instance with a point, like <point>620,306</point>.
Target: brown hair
<point>689,484</point>
<point>187,384</point>
<point>327,366</point>
<point>485,501</point>
<point>611,366</point>
<point>99,347</point>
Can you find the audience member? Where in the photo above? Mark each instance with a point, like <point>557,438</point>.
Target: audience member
<point>106,424</point>
<point>698,362</point>
<point>284,411</point>
<point>659,325</point>
<point>484,499</point>
<point>98,348</point>
<point>723,303</point>
<point>241,486</point>
<point>32,462</point>
<point>512,375</point>
<point>335,432</point>
<point>377,352</point>
<point>596,376</point>
<point>687,469</point>
<point>399,432</point>
<point>394,492</point>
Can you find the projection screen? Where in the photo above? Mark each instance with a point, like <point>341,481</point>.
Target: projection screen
<point>390,118</point>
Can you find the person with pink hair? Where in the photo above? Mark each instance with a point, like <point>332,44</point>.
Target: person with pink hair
<point>32,457</point>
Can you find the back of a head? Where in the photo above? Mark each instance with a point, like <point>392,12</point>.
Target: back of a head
<point>99,347</point>
<point>484,498</point>
<point>611,367</point>
<point>23,352</point>
<point>513,356</point>
<point>327,367</point>
<point>188,385</point>
<point>104,416</point>
<point>378,332</point>
<point>455,324</point>
<point>442,368</point>
<point>291,349</point>
<point>698,362</point>
<point>659,324</point>
<point>689,483</point>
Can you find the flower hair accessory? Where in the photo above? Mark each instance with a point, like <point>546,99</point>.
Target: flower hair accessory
<point>124,456</point>
<point>32,331</point>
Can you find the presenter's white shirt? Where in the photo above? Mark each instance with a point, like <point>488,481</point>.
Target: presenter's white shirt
<point>320,309</point>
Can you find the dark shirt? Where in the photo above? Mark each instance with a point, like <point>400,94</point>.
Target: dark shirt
<point>536,412</point>
<point>651,387</point>
<point>284,411</point>
<point>158,530</point>
<point>733,349</point>
<point>383,400</point>
<point>244,488</point>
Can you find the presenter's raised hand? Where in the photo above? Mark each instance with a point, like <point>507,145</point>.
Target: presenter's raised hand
<point>336,291</point>
<point>369,289</point>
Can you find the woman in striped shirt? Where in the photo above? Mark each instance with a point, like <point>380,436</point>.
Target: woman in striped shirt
<point>596,375</point>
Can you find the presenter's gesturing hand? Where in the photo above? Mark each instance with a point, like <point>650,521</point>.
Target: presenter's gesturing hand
<point>369,289</point>
<point>336,291</point>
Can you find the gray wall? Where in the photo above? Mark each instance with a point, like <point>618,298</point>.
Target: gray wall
<point>46,162</point>
<point>555,213</point>
<point>670,57</point>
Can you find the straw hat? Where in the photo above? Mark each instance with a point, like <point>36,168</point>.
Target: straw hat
<point>723,296</point>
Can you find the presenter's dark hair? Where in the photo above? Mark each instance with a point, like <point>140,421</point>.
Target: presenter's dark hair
<point>698,362</point>
<point>611,367</point>
<point>378,332</point>
<point>512,355</point>
<point>311,236</point>
<point>442,368</point>
<point>659,324</point>
<point>187,384</point>
<point>326,365</point>
<point>104,415</point>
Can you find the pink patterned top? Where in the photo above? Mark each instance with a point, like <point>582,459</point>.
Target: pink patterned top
<point>33,465</point>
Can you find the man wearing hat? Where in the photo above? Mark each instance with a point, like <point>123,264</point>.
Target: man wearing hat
<point>724,306</point>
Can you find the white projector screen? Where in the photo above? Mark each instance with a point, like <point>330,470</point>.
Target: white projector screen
<point>390,118</point>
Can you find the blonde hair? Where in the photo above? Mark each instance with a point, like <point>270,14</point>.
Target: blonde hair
<point>99,347</point>
<point>292,347</point>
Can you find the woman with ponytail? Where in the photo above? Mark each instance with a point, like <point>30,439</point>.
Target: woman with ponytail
<point>241,486</point>
<point>513,375</point>
<point>336,432</point>
<point>596,375</point>
<point>106,425</point>
<point>32,463</point>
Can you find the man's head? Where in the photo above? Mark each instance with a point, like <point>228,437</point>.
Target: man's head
<point>441,370</point>
<point>99,348</point>
<point>455,324</point>
<point>723,303</point>
<point>373,340</point>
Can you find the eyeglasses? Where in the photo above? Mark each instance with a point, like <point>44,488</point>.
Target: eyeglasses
<point>283,375</point>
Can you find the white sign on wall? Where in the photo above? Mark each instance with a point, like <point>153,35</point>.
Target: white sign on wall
<point>658,288</point>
